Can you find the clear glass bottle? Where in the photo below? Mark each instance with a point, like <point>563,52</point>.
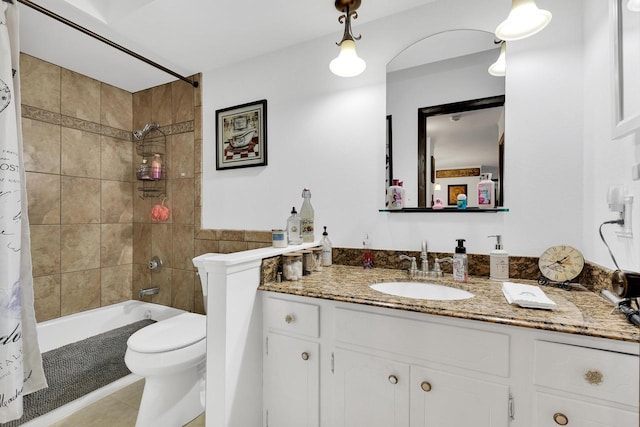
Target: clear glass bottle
<point>293,228</point>
<point>306,217</point>
<point>325,243</point>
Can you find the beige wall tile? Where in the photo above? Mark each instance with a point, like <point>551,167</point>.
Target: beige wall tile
<point>80,200</point>
<point>161,104</point>
<point>161,243</point>
<point>141,243</point>
<point>182,295</point>
<point>197,156</point>
<point>43,194</point>
<point>141,109</point>
<point>80,96</point>
<point>46,291</point>
<point>206,247</point>
<point>258,236</point>
<point>182,247</point>
<point>142,207</point>
<point>197,96</point>
<point>80,247</point>
<point>80,291</point>
<point>182,97</point>
<point>181,156</point>
<point>116,159</point>
<point>227,247</point>
<point>197,123</point>
<point>39,83</point>
<point>45,249</point>
<point>231,235</point>
<point>141,279</point>
<point>116,107</point>
<point>116,244</point>
<point>117,202</point>
<point>198,299</point>
<point>41,146</point>
<point>161,279</point>
<point>182,204</point>
<point>116,284</point>
<point>80,153</point>
<point>197,197</point>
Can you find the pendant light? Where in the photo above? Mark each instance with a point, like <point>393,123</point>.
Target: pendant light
<point>499,68</point>
<point>634,5</point>
<point>524,20</point>
<point>347,63</point>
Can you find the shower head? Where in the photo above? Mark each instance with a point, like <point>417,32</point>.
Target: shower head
<point>139,134</point>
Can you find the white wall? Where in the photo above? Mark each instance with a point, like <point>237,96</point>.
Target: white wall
<point>328,133</point>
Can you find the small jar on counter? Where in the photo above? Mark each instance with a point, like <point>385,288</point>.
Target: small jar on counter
<point>317,257</point>
<point>279,238</point>
<point>292,266</point>
<point>308,262</point>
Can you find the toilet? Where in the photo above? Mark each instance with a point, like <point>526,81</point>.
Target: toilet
<point>171,356</point>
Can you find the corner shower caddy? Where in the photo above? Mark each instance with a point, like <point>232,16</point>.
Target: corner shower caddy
<point>153,142</point>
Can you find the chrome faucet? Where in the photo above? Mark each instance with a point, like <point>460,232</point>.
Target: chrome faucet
<point>413,270</point>
<point>425,259</point>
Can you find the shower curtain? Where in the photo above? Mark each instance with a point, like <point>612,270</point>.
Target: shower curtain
<point>20,359</point>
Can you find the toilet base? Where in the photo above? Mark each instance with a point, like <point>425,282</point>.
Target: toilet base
<point>171,401</point>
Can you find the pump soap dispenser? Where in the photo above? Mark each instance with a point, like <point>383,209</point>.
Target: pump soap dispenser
<point>498,261</point>
<point>460,263</point>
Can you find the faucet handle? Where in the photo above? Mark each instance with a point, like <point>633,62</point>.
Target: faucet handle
<point>414,267</point>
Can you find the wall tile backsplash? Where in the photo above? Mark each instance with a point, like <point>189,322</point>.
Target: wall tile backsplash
<point>92,237</point>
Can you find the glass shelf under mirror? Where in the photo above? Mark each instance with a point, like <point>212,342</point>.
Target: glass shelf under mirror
<point>445,210</point>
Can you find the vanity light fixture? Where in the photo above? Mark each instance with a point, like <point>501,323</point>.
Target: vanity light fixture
<point>499,68</point>
<point>524,20</point>
<point>347,63</point>
<point>634,5</point>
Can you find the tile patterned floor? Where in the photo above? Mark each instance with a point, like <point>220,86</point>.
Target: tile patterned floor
<point>118,409</point>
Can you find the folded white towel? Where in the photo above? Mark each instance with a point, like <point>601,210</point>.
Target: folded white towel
<point>527,296</point>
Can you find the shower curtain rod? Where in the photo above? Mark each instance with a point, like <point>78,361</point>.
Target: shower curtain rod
<point>102,39</point>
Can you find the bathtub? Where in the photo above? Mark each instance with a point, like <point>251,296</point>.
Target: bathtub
<point>74,327</point>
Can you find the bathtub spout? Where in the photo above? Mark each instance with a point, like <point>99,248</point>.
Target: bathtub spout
<point>148,291</point>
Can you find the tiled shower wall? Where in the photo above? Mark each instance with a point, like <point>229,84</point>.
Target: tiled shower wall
<point>92,237</point>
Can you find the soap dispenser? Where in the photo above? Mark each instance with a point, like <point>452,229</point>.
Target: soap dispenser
<point>460,263</point>
<point>498,261</point>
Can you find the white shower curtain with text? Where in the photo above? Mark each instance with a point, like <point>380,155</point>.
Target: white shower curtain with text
<point>20,359</point>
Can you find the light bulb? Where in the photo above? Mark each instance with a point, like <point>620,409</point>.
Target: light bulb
<point>524,20</point>
<point>347,63</point>
<point>499,68</point>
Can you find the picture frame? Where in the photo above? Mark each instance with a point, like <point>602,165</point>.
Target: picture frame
<point>625,37</point>
<point>453,191</point>
<point>241,136</point>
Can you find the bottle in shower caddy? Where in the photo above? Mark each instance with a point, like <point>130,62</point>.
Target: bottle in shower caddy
<point>460,263</point>
<point>156,167</point>
<point>306,217</point>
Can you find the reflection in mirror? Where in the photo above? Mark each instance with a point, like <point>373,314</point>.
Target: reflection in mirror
<point>448,68</point>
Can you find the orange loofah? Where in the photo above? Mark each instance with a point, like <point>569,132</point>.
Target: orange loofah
<point>160,212</point>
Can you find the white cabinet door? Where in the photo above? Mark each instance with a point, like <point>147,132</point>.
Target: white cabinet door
<point>370,391</point>
<point>552,411</point>
<point>441,399</point>
<point>291,382</point>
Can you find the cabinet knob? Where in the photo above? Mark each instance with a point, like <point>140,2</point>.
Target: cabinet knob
<point>289,318</point>
<point>393,379</point>
<point>560,419</point>
<point>305,355</point>
<point>593,377</point>
<point>425,386</point>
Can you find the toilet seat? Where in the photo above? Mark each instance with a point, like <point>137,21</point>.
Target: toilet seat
<point>171,334</point>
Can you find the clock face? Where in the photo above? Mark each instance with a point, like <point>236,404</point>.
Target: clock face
<point>561,263</point>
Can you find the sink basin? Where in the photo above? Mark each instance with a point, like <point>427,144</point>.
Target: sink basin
<point>418,290</point>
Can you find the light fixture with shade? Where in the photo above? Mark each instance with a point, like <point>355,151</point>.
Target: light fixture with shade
<point>634,5</point>
<point>347,63</point>
<point>499,68</point>
<point>524,20</point>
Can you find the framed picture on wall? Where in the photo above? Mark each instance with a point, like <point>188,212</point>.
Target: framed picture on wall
<point>454,191</point>
<point>241,136</point>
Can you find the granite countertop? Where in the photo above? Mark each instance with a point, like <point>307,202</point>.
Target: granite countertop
<point>579,311</point>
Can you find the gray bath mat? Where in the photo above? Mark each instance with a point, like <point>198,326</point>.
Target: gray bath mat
<point>79,368</point>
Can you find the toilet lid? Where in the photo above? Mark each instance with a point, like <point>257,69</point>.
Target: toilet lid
<point>171,334</point>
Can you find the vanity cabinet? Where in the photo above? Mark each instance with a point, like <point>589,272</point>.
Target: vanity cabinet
<point>291,364</point>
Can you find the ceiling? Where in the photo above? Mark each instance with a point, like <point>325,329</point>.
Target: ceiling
<point>188,36</point>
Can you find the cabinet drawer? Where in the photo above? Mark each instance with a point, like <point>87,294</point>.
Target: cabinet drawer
<point>601,374</point>
<point>292,317</point>
<point>554,411</point>
<point>476,350</point>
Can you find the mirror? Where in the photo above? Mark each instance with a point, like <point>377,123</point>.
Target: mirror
<point>458,131</point>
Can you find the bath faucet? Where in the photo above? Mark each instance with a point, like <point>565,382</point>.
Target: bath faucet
<point>148,291</point>
<point>413,270</point>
